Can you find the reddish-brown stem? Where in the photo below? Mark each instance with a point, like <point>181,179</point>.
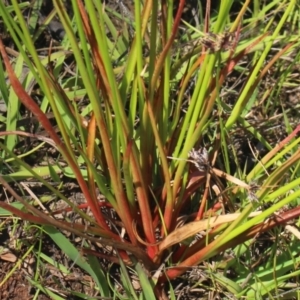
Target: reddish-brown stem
<point>31,105</point>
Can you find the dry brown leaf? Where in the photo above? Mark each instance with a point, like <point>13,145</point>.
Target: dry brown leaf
<point>8,257</point>
<point>191,229</point>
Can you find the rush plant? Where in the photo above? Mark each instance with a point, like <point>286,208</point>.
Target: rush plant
<point>152,139</point>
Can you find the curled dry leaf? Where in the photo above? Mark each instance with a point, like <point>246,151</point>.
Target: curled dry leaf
<point>191,229</point>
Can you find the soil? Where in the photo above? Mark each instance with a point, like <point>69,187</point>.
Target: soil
<point>15,271</point>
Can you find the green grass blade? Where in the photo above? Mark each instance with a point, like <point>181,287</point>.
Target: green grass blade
<point>69,249</point>
<point>147,287</point>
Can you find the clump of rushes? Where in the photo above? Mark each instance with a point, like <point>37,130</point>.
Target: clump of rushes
<point>154,139</point>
